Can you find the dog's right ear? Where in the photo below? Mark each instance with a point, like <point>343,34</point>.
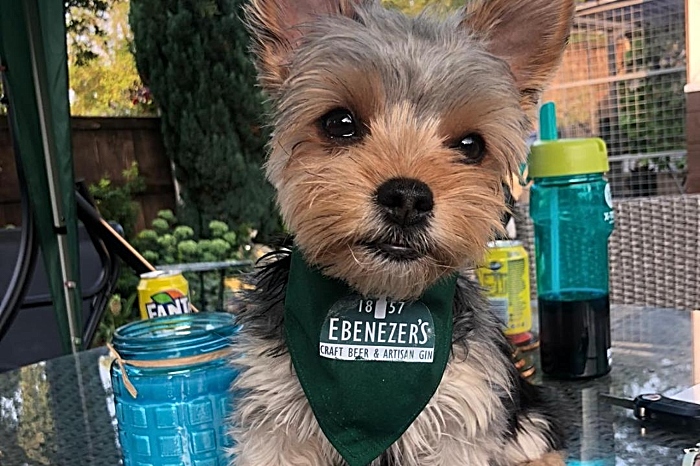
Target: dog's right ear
<point>277,27</point>
<point>529,35</point>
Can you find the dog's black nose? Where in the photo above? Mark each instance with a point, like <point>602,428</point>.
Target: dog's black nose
<point>405,201</point>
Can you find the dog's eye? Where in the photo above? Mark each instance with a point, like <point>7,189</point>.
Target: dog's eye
<point>473,147</point>
<point>339,124</point>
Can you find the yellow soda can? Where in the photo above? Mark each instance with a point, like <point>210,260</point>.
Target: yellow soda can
<point>505,275</point>
<point>163,294</point>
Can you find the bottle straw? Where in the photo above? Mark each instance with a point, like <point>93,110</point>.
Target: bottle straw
<point>548,122</point>
<point>548,132</point>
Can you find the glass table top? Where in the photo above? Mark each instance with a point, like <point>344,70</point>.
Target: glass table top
<point>60,412</point>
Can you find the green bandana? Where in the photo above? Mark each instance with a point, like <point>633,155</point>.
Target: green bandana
<point>367,366</point>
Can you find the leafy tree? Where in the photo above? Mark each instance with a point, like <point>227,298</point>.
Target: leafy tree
<point>85,25</point>
<point>194,58</point>
<point>116,203</point>
<point>107,84</point>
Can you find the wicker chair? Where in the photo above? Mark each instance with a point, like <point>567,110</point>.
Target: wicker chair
<point>654,251</point>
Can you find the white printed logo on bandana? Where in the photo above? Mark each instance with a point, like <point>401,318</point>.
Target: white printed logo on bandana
<point>357,328</point>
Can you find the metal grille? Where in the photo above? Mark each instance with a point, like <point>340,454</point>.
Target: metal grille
<point>622,79</point>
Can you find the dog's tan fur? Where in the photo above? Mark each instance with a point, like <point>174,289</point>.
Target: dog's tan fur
<point>446,433</point>
<point>417,86</point>
<point>335,216</point>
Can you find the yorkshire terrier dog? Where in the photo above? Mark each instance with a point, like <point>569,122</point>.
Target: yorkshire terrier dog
<point>392,139</point>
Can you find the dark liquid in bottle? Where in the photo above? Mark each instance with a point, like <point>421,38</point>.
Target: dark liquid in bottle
<point>575,337</point>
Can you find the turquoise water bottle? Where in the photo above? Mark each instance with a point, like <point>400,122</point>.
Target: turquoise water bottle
<point>172,388</point>
<point>571,208</point>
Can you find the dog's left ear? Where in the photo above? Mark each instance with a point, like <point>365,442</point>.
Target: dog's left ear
<point>278,27</point>
<point>529,35</point>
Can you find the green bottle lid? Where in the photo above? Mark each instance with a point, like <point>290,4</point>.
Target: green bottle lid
<point>550,157</point>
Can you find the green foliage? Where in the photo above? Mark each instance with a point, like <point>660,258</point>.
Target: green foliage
<point>115,202</point>
<point>168,243</point>
<point>168,216</point>
<point>652,108</point>
<point>188,250</point>
<point>85,26</point>
<point>103,74</point>
<point>183,233</point>
<point>416,6</point>
<point>195,60</point>
<point>230,237</point>
<point>219,248</point>
<point>217,229</point>
<point>151,256</point>
<point>176,245</point>
<point>120,311</point>
<point>161,226</point>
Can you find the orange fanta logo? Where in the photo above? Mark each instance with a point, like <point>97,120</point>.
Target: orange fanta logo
<point>167,303</point>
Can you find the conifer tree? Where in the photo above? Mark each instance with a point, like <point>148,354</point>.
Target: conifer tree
<point>193,55</point>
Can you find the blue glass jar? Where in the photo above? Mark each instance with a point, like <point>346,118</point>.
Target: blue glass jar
<point>173,405</point>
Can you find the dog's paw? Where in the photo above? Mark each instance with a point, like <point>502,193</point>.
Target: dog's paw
<point>549,459</point>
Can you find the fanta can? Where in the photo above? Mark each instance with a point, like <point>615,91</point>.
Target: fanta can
<point>163,293</point>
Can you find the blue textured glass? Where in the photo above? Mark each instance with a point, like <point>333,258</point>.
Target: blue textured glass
<point>573,219</point>
<point>179,415</point>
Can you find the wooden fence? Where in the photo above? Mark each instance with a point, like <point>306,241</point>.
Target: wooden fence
<point>102,148</point>
<point>105,147</point>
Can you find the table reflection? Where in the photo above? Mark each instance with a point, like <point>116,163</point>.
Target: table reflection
<point>57,413</point>
<point>652,353</point>
<point>61,412</point>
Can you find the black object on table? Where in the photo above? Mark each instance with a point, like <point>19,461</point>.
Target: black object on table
<point>60,412</point>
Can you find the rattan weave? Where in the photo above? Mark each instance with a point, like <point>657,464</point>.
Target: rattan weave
<point>654,251</point>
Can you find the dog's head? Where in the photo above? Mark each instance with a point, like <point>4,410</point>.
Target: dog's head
<point>393,135</point>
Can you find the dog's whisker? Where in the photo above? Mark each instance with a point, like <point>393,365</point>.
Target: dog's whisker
<point>354,257</point>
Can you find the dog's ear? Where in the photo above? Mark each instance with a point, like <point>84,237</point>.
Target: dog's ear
<point>529,35</point>
<point>277,27</point>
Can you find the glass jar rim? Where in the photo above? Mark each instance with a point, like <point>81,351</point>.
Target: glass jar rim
<point>175,336</point>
